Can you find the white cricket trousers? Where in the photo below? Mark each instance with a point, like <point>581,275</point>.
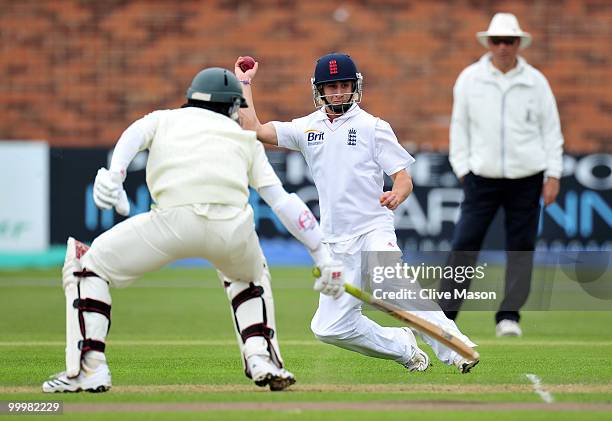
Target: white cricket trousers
<point>148,241</point>
<point>340,322</point>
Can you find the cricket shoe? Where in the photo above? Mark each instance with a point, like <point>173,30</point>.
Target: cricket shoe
<point>265,373</point>
<point>420,360</point>
<point>89,380</point>
<point>464,365</point>
<point>508,328</point>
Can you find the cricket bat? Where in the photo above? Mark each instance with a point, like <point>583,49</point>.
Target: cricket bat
<point>416,322</point>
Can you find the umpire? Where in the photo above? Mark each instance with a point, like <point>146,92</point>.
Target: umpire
<point>506,149</point>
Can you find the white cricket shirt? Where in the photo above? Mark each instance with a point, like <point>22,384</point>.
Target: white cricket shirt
<point>196,157</point>
<point>347,158</point>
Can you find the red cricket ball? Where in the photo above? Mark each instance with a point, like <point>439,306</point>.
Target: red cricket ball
<point>247,63</point>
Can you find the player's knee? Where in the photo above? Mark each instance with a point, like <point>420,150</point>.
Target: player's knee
<point>328,335</point>
<point>326,338</point>
<point>331,338</point>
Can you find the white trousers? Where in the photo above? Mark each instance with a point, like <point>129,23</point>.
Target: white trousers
<point>340,322</point>
<point>149,241</point>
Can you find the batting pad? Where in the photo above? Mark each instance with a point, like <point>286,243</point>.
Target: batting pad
<point>88,304</point>
<point>252,308</point>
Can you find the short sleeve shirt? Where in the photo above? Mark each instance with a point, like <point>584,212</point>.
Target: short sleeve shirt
<point>347,158</point>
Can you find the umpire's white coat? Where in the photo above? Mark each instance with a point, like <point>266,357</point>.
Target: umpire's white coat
<point>504,125</point>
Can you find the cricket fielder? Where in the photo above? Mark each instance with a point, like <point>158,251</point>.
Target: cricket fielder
<point>201,164</point>
<point>347,151</point>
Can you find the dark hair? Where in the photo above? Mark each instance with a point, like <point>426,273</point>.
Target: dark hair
<point>217,107</point>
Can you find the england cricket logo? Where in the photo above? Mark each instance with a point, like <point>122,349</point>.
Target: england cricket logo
<point>333,67</point>
<point>352,137</point>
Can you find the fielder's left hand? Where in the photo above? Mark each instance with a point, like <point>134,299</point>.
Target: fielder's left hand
<point>390,200</point>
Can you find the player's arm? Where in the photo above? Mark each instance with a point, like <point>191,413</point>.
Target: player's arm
<point>402,187</point>
<point>459,149</point>
<point>550,127</point>
<point>248,116</point>
<point>301,223</point>
<point>393,160</point>
<point>108,189</point>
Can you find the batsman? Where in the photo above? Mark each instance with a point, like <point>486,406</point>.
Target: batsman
<point>347,151</point>
<point>200,166</point>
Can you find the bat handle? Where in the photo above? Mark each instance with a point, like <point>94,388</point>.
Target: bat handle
<point>356,292</point>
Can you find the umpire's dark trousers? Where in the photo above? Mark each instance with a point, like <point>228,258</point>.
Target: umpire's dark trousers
<point>520,199</point>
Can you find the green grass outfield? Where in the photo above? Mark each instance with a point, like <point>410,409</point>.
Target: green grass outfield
<point>173,355</point>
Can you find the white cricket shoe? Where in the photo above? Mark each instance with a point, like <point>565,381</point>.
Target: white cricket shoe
<point>265,373</point>
<point>420,360</point>
<point>464,365</point>
<point>89,380</point>
<point>508,328</point>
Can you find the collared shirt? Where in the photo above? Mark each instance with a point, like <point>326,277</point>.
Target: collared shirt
<point>504,80</point>
<point>504,125</point>
<point>347,158</point>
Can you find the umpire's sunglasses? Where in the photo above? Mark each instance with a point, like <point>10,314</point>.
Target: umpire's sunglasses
<point>503,40</point>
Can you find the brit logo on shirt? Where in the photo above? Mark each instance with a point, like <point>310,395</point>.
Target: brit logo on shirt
<point>352,137</point>
<point>314,137</point>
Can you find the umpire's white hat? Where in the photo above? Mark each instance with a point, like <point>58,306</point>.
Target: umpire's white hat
<point>504,25</point>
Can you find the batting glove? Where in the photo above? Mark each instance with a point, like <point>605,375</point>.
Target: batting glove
<point>108,192</point>
<point>329,278</point>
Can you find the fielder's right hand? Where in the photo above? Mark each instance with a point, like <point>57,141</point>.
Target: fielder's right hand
<point>329,278</point>
<point>242,75</point>
<point>108,192</point>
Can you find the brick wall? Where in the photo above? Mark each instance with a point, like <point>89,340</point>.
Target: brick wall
<point>78,72</point>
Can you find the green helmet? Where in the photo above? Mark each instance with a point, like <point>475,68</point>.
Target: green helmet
<point>216,85</point>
